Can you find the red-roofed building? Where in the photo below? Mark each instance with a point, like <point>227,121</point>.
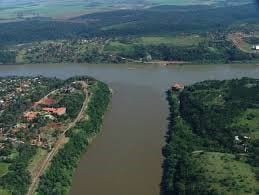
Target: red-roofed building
<point>58,111</point>
<point>30,115</point>
<point>177,87</point>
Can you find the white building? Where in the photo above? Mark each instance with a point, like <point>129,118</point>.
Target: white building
<point>256,47</point>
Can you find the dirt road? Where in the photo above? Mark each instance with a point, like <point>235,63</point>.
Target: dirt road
<point>60,142</point>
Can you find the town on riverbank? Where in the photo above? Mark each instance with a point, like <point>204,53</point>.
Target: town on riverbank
<point>38,117</point>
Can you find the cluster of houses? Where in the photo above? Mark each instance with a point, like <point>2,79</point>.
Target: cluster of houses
<point>43,109</point>
<point>11,89</point>
<point>62,45</point>
<point>58,111</point>
<point>40,108</point>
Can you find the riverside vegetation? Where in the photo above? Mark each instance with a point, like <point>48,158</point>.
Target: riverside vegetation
<point>58,177</point>
<point>213,139</point>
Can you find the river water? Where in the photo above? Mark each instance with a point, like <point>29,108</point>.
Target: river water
<point>125,159</point>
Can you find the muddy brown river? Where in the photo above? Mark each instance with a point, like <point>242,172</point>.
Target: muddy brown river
<point>125,159</point>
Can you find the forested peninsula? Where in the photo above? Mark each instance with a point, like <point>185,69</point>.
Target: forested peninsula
<point>213,139</point>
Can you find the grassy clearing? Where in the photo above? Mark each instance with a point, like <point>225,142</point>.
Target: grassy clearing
<point>3,168</point>
<point>225,175</point>
<point>249,120</point>
<point>119,47</point>
<point>121,26</point>
<point>20,56</point>
<point>245,46</point>
<point>179,40</point>
<point>4,192</point>
<point>241,42</point>
<point>40,155</point>
<point>13,155</point>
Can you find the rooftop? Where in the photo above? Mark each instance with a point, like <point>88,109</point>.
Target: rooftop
<point>59,111</point>
<point>30,115</point>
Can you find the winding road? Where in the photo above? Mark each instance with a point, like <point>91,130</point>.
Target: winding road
<point>60,142</point>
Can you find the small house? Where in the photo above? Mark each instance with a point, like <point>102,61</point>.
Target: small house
<point>58,111</point>
<point>255,47</point>
<point>30,115</point>
<point>177,87</point>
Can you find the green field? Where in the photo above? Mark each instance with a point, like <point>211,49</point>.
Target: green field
<point>241,43</point>
<point>3,168</point>
<point>66,8</point>
<point>4,192</point>
<point>225,175</point>
<point>246,46</point>
<point>118,47</point>
<point>249,120</point>
<point>40,155</point>
<point>174,40</point>
<point>179,40</point>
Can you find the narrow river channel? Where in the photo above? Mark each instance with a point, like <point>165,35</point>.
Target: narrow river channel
<point>125,159</point>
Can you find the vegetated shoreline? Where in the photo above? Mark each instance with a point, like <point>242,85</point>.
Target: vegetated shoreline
<point>58,176</point>
<point>61,141</point>
<point>186,152</point>
<point>164,184</point>
<point>160,63</point>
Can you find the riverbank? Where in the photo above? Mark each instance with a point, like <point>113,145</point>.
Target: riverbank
<point>58,176</point>
<point>41,166</point>
<point>118,159</point>
<point>145,64</point>
<point>45,112</point>
<point>212,141</point>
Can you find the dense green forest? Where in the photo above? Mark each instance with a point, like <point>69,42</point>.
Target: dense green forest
<point>36,30</point>
<point>212,142</point>
<point>18,177</point>
<point>7,57</point>
<point>58,177</point>
<point>156,20</point>
<point>170,19</point>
